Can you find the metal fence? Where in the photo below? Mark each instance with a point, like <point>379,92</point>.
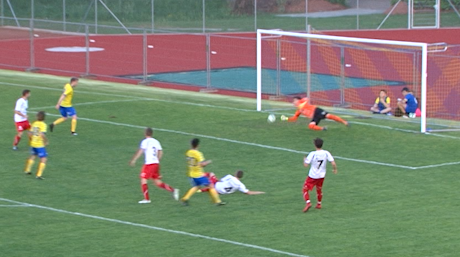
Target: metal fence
<point>223,15</point>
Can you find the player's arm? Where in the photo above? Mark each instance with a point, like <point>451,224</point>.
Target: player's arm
<point>136,156</point>
<point>61,98</point>
<point>386,102</point>
<point>159,154</point>
<point>45,139</point>
<point>254,192</point>
<point>334,167</point>
<point>293,118</point>
<point>20,114</point>
<point>306,161</point>
<point>205,163</point>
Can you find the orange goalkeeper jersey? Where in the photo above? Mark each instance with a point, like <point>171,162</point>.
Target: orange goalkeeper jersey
<point>304,108</point>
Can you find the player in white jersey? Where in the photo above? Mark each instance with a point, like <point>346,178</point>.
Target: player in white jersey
<point>230,184</point>
<point>153,152</point>
<point>317,160</point>
<point>20,117</point>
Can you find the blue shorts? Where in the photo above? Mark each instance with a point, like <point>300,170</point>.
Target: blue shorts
<point>201,181</point>
<point>410,109</point>
<point>39,151</point>
<point>67,111</point>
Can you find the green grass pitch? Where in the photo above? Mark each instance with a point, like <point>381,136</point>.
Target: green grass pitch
<point>396,193</point>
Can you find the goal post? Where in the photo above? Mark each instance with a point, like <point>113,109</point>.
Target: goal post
<point>345,71</point>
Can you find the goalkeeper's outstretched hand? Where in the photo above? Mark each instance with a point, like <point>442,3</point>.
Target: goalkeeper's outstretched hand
<point>284,117</point>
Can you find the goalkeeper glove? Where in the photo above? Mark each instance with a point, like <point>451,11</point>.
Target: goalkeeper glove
<point>283,117</point>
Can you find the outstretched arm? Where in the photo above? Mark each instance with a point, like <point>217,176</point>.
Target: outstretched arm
<point>293,118</point>
<point>254,192</point>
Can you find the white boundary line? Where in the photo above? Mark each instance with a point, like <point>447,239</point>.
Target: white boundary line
<point>257,145</point>
<point>155,228</point>
<point>133,98</point>
<point>90,103</point>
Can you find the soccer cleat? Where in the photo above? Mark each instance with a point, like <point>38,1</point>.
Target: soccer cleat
<point>318,206</point>
<point>28,173</point>
<point>51,127</point>
<point>144,201</point>
<point>74,133</point>
<point>176,194</point>
<point>324,128</point>
<point>389,114</point>
<point>15,148</point>
<point>221,203</point>
<point>184,202</point>
<point>307,207</point>
<point>405,116</point>
<point>39,177</point>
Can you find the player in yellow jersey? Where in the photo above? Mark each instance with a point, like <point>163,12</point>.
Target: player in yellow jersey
<point>195,164</point>
<point>38,141</point>
<point>64,105</point>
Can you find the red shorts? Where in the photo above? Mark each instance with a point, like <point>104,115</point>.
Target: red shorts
<point>22,125</point>
<point>212,177</point>
<point>312,182</point>
<point>150,171</point>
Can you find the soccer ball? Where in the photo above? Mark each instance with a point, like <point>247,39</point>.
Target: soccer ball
<point>271,118</point>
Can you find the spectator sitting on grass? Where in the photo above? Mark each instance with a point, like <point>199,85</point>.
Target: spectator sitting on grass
<point>382,104</point>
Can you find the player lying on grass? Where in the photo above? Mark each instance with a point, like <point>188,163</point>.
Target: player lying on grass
<point>230,184</point>
<point>308,110</point>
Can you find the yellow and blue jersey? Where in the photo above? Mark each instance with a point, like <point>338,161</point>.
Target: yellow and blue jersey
<point>381,105</point>
<point>68,92</point>
<point>37,129</point>
<point>194,158</point>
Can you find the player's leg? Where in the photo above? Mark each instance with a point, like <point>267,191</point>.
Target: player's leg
<point>336,118</point>
<point>63,112</point>
<point>375,109</point>
<point>308,186</point>
<point>214,195</point>
<point>319,192</point>
<point>317,116</point>
<point>17,138</point>
<point>402,107</point>
<point>29,162</point>
<point>41,167</point>
<point>73,126</point>
<point>191,191</point>
<point>212,178</point>
<point>314,126</point>
<point>144,176</point>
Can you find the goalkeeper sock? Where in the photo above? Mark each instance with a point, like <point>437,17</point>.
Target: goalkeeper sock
<point>336,118</point>
<point>59,121</point>
<point>313,126</point>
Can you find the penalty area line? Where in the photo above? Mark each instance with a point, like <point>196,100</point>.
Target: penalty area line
<point>155,228</point>
<point>240,142</point>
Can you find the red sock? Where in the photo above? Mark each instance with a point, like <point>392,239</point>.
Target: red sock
<point>145,191</point>
<point>205,189</point>
<point>16,140</point>
<point>319,194</point>
<point>336,118</point>
<point>306,196</point>
<point>166,187</point>
<point>313,126</point>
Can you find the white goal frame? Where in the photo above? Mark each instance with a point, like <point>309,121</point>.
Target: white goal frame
<point>261,33</point>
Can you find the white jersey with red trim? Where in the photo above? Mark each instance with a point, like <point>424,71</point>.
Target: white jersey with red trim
<point>229,184</point>
<point>151,146</point>
<point>21,106</point>
<point>318,160</point>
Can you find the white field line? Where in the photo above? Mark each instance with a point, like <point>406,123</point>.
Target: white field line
<point>220,107</point>
<point>10,206</point>
<point>239,142</point>
<point>90,103</point>
<point>234,141</point>
<point>155,228</point>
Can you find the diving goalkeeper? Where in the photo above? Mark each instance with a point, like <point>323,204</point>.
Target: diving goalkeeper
<point>316,114</point>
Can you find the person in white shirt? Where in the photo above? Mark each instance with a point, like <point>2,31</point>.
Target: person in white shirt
<point>230,184</point>
<point>20,117</point>
<point>153,152</point>
<point>317,160</point>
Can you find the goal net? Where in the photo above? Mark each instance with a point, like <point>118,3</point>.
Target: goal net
<point>339,71</point>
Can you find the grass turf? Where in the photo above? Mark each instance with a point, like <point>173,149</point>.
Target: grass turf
<point>369,209</point>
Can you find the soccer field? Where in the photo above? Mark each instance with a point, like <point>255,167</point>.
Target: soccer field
<point>395,194</point>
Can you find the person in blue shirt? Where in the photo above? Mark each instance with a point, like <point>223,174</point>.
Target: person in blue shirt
<point>409,104</point>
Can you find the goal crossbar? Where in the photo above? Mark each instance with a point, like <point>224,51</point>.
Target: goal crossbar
<point>422,46</point>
